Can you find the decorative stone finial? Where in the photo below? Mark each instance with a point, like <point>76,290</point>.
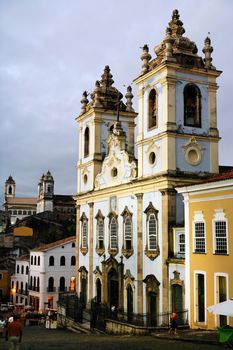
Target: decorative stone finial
<point>106,80</point>
<point>207,50</point>
<point>96,95</point>
<point>84,101</point>
<point>129,97</point>
<point>168,41</point>
<point>176,24</point>
<point>145,57</point>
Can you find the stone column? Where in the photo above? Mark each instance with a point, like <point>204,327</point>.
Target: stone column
<point>121,284</point>
<point>104,296</point>
<point>168,219</point>
<point>91,205</point>
<point>139,256</point>
<point>77,246</point>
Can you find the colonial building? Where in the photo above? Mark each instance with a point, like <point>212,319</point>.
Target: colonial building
<point>130,237</point>
<point>209,248</point>
<point>20,207</point>
<point>42,275</point>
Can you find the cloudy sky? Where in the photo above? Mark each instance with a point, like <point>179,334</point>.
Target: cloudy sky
<point>51,51</point>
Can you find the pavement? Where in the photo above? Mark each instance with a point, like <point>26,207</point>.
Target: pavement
<point>198,336</point>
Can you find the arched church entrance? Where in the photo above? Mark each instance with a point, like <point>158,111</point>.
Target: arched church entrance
<point>113,288</point>
<point>152,299</point>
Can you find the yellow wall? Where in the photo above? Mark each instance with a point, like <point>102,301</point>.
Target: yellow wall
<point>209,262</point>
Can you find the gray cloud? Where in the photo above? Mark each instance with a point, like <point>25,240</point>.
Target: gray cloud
<point>51,51</point>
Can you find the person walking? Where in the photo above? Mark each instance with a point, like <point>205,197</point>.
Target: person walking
<point>14,333</point>
<point>173,323</point>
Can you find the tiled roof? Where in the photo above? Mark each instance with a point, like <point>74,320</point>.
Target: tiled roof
<point>23,257</point>
<point>56,244</point>
<point>19,200</point>
<point>225,175</point>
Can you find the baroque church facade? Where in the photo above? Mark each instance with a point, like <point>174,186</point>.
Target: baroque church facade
<point>130,241</point>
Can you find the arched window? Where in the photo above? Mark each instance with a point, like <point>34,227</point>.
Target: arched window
<point>17,269</point>
<point>21,287</point>
<point>62,284</point>
<point>38,261</point>
<point>34,260</point>
<point>31,260</point>
<point>51,261</point>
<point>51,284</point>
<point>10,190</point>
<point>73,261</point>
<point>100,232</point>
<point>84,234</point>
<point>152,246</point>
<point>86,142</point>
<point>17,285</point>
<point>34,283</point>
<point>62,261</point>
<point>26,287</point>
<point>128,232</point>
<point>27,270</point>
<point>153,109</point>
<point>192,106</point>
<point>22,269</point>
<point>31,282</point>
<point>152,232</point>
<point>113,233</point>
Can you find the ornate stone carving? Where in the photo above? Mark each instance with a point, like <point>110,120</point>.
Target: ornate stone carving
<point>145,57</point>
<point>116,167</point>
<point>207,50</point>
<point>193,151</point>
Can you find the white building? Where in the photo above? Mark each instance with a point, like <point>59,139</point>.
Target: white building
<point>42,275</point>
<point>19,281</point>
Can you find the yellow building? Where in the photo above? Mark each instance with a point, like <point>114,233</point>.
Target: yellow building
<point>209,248</point>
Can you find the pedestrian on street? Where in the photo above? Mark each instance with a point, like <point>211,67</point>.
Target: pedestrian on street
<point>173,323</point>
<point>14,333</point>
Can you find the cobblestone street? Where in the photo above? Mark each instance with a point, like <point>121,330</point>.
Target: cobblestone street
<point>38,338</point>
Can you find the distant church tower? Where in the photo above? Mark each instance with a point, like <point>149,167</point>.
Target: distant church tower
<point>10,187</point>
<point>45,193</point>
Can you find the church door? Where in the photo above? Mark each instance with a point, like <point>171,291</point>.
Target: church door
<point>113,288</point>
<point>152,300</point>
<point>177,301</point>
<point>84,291</point>
<point>98,291</point>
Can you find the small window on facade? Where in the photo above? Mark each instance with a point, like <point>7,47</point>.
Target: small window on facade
<point>20,212</point>
<point>153,109</point>
<point>21,287</point>
<point>35,260</point>
<point>17,268</point>
<point>192,106</point>
<point>113,234</point>
<point>199,239</point>
<point>128,232</point>
<point>62,261</point>
<point>84,234</point>
<point>38,261</point>
<point>100,232</point>
<point>62,284</point>
<point>152,232</point>
<point>29,212</point>
<point>220,237</point>
<point>51,261</point>
<point>27,269</point>
<point>24,212</point>
<point>17,285</point>
<point>31,260</point>
<point>14,212</point>
<point>73,261</point>
<point>22,269</point>
<point>73,245</point>
<point>51,284</point>
<point>86,142</point>
<point>181,243</point>
<point>1,276</point>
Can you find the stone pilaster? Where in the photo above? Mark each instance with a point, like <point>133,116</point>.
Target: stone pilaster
<point>91,205</point>
<point>168,217</point>
<point>104,282</point>
<point>139,255</point>
<point>77,246</point>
